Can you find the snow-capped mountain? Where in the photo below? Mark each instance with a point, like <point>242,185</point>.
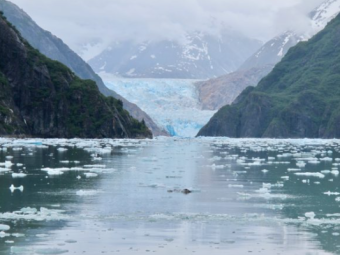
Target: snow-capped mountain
<point>324,13</point>
<point>200,56</point>
<point>274,50</point>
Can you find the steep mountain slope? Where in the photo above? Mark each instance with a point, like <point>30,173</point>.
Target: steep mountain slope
<point>221,91</point>
<point>274,50</point>
<point>54,48</point>
<point>201,56</point>
<point>43,98</point>
<point>299,98</point>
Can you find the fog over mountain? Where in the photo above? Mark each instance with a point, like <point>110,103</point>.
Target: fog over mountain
<point>95,24</point>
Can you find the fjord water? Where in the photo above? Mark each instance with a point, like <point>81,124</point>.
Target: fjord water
<point>124,196</point>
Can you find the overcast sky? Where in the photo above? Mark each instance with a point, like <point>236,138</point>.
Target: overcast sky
<point>81,21</point>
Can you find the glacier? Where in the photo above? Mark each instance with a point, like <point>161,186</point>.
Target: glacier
<point>172,103</point>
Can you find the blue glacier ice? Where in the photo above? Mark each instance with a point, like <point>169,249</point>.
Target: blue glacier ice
<point>172,103</point>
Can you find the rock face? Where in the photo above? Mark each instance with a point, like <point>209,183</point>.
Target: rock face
<point>201,56</point>
<point>216,93</point>
<point>299,98</point>
<point>43,98</point>
<point>56,49</point>
<point>272,52</point>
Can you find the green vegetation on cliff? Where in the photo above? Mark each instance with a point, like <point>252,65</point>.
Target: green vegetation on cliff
<point>299,98</point>
<point>42,97</point>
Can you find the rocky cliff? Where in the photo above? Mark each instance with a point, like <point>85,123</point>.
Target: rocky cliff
<point>43,98</point>
<point>299,98</point>
<point>218,92</point>
<point>56,49</point>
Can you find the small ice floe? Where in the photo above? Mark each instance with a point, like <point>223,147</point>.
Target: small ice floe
<point>6,164</point>
<point>335,172</point>
<point>55,171</point>
<point>264,171</point>
<point>90,175</point>
<point>329,193</point>
<point>318,175</point>
<point>84,193</point>
<point>293,169</point>
<point>310,215</point>
<point>4,227</point>
<point>94,166</point>
<point>326,159</point>
<point>285,178</point>
<point>236,186</point>
<point>51,251</point>
<point>3,234</point>
<point>301,164</point>
<point>61,149</point>
<point>12,188</point>
<point>18,175</point>
<point>19,164</point>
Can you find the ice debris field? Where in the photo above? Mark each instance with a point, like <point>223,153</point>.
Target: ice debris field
<point>261,182</point>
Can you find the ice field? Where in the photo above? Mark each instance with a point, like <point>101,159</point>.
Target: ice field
<point>173,104</point>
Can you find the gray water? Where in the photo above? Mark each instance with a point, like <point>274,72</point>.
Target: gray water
<point>248,196</point>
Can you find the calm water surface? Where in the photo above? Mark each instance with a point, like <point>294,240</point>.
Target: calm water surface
<point>124,197</point>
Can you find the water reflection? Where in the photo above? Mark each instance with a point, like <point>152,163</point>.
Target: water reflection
<point>246,197</point>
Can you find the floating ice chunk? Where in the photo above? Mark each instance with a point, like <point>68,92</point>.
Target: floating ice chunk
<point>17,235</point>
<point>4,227</point>
<point>326,159</point>
<point>3,234</point>
<point>329,193</point>
<point>20,164</point>
<point>87,192</point>
<point>12,188</point>
<point>18,175</point>
<point>265,171</point>
<point>94,166</point>
<point>326,171</point>
<point>90,175</point>
<point>337,199</point>
<point>61,149</point>
<point>335,172</point>
<point>319,175</point>
<point>9,241</point>
<point>235,186</point>
<point>310,215</point>
<point>301,164</point>
<point>333,215</point>
<point>286,178</point>
<point>293,169</point>
<point>51,251</point>
<point>9,157</point>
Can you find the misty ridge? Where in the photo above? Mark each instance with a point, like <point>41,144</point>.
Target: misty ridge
<point>97,25</point>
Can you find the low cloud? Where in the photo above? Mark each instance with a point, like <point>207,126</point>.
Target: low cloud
<point>100,22</point>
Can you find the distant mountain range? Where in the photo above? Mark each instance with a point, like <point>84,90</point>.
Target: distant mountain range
<point>216,93</point>
<point>300,98</point>
<point>54,48</point>
<point>201,56</point>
